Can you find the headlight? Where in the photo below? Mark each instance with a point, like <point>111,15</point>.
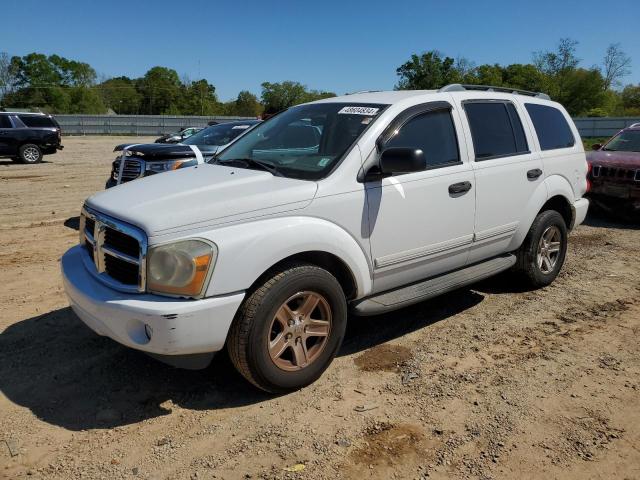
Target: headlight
<point>165,166</point>
<point>180,268</point>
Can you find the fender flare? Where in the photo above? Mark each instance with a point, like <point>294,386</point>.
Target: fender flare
<point>247,250</point>
<point>552,186</point>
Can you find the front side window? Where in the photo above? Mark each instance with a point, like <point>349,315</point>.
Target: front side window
<point>217,135</point>
<point>303,142</point>
<point>496,130</point>
<point>627,141</point>
<point>434,134</point>
<point>5,122</point>
<point>551,127</point>
<point>34,121</point>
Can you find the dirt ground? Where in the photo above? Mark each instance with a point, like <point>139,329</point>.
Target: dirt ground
<point>486,382</point>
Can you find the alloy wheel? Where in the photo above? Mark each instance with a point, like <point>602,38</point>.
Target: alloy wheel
<point>549,249</point>
<point>299,331</point>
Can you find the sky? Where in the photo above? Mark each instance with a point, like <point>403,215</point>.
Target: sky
<point>340,46</point>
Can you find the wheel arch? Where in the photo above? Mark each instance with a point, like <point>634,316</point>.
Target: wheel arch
<point>325,260</point>
<point>248,251</point>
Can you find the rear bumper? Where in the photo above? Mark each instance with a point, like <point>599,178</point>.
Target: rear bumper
<point>176,326</point>
<point>580,208</point>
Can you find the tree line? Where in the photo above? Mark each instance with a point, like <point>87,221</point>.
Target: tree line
<point>59,85</point>
<point>584,91</point>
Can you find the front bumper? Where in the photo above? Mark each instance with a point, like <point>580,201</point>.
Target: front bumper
<point>178,327</point>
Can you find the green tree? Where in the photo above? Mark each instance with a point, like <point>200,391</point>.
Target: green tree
<point>199,98</point>
<point>582,91</point>
<point>631,99</point>
<point>120,94</point>
<point>160,89</point>
<point>85,100</point>
<point>526,77</point>
<point>280,96</point>
<point>246,105</point>
<point>427,71</point>
<point>486,75</point>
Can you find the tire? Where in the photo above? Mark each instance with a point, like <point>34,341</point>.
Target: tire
<point>260,331</point>
<point>30,153</point>
<point>537,272</point>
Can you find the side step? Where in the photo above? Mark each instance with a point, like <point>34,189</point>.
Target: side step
<point>418,292</point>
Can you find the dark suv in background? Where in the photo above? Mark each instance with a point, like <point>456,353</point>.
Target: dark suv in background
<point>26,137</point>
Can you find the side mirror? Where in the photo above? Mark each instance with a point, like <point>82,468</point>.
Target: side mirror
<point>402,160</point>
<point>596,146</point>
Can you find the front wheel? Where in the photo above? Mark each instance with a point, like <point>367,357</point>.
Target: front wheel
<point>30,153</point>
<point>289,329</point>
<point>544,249</point>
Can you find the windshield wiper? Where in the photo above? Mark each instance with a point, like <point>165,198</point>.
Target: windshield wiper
<point>272,169</point>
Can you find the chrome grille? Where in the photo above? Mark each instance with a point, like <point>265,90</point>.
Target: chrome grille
<point>132,169</point>
<point>116,251</point>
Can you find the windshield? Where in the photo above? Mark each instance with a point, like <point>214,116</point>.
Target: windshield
<point>218,134</point>
<point>627,141</point>
<point>305,141</point>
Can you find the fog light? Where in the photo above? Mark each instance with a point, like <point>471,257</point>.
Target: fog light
<point>148,331</point>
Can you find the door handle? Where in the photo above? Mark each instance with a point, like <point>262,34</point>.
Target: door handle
<point>462,187</point>
<point>533,174</point>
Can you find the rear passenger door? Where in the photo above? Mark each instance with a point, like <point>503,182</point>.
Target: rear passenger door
<point>507,172</point>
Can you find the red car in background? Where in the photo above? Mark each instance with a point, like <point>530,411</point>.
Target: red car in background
<point>614,174</point>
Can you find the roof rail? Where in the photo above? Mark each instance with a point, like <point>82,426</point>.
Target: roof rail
<point>458,87</point>
<point>362,91</point>
<point>635,125</point>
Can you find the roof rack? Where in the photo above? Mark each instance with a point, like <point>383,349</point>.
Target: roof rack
<point>458,87</point>
<point>362,91</point>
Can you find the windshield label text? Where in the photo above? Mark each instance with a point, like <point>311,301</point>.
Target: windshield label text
<point>358,111</point>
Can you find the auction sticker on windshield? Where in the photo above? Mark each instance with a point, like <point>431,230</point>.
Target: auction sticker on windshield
<point>358,111</point>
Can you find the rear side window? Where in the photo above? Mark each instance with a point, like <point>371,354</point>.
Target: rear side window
<point>5,122</point>
<point>551,127</point>
<point>496,130</point>
<point>36,121</point>
<point>434,134</point>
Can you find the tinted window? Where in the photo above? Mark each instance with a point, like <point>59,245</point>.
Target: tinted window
<point>496,129</point>
<point>551,127</point>
<point>433,133</point>
<point>217,134</point>
<point>5,122</point>
<point>36,121</point>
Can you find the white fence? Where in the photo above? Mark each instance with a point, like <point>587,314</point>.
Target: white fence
<point>132,124</point>
<point>160,124</point>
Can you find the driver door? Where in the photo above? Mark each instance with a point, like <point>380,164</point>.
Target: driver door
<point>421,223</point>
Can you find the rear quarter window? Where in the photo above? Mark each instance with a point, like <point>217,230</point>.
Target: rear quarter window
<point>551,127</point>
<point>5,122</point>
<point>33,121</point>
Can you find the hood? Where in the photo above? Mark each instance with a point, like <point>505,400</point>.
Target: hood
<point>165,151</point>
<point>204,195</point>
<point>629,160</point>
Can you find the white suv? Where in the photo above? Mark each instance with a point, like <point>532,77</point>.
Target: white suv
<point>367,202</point>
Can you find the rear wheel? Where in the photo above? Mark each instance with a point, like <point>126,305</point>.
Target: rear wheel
<point>30,153</point>
<point>289,329</point>
<point>544,249</point>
